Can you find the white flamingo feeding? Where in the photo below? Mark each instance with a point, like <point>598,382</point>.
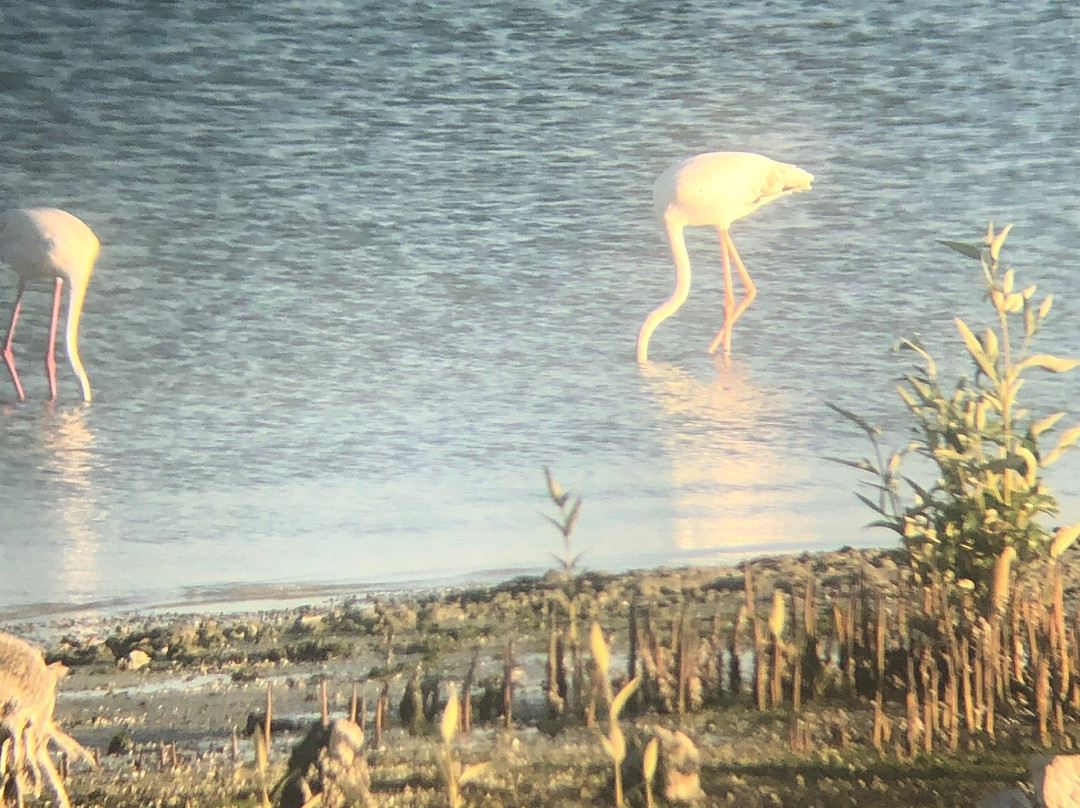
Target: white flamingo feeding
<point>46,243</point>
<point>715,189</point>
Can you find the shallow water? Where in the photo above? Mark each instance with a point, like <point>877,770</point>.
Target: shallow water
<point>367,268</point>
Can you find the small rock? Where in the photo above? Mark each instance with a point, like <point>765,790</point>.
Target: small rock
<point>1009,798</point>
<point>678,767</point>
<point>1057,781</point>
<point>329,762</point>
<point>135,660</point>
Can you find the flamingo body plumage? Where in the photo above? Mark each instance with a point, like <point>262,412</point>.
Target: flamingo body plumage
<point>41,244</point>
<point>715,189</point>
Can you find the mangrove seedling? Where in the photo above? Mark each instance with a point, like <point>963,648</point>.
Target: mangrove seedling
<point>455,774</point>
<point>614,742</point>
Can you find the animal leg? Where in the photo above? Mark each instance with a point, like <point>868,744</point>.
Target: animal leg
<point>723,336</point>
<point>70,745</point>
<point>50,350</point>
<point>31,752</point>
<point>751,290</point>
<point>53,777</point>
<point>9,356</point>
<point>727,248</point>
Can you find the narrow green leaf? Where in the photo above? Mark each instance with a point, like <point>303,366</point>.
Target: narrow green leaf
<point>649,759</point>
<point>624,695</point>
<point>1046,423</point>
<point>975,349</point>
<point>572,518</point>
<point>555,491</point>
<point>472,771</point>
<point>1032,464</point>
<point>1065,442</point>
<point>1053,364</point>
<point>990,344</point>
<point>861,465</point>
<point>874,506</point>
<point>970,250</point>
<point>861,422</point>
<point>1064,537</point>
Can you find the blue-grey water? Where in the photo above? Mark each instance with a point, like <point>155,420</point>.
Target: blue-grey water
<point>369,266</point>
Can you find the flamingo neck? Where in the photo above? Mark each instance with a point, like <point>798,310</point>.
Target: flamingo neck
<point>678,296</point>
<point>75,304</point>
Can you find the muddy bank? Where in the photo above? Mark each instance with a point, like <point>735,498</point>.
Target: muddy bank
<point>174,697</point>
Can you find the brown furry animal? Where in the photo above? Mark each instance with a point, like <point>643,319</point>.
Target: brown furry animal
<point>27,699</point>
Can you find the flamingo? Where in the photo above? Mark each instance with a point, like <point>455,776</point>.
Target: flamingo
<point>49,243</point>
<point>715,189</point>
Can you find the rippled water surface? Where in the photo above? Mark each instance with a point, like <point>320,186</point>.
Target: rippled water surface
<point>369,266</point>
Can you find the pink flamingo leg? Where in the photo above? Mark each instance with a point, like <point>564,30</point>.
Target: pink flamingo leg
<point>727,248</point>
<point>723,336</point>
<point>9,355</point>
<point>751,290</point>
<point>50,350</point>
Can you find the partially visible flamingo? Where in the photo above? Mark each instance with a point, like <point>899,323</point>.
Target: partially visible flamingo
<point>46,243</point>
<point>715,189</point>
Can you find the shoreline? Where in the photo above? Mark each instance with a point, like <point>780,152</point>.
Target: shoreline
<point>174,692</point>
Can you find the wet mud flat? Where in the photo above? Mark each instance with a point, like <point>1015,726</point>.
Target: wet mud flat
<point>169,703</point>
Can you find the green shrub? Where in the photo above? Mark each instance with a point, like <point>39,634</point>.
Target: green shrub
<point>989,493</point>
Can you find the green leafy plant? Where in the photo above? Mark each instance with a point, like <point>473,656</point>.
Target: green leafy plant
<point>455,774</point>
<point>989,493</point>
<point>569,510</point>
<point>565,697</point>
<point>614,742</point>
<point>648,769</point>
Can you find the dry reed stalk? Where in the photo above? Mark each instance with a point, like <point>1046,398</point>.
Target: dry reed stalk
<point>800,735</point>
<point>324,701</point>
<point>1062,645</point>
<point>965,683</point>
<point>556,675</point>
<point>269,717</point>
<point>935,689</point>
<point>1042,700</point>
<point>879,646</point>
<point>930,718</point>
<point>989,686</point>
<point>382,706</point>
<point>800,650</point>
<point>508,685</point>
<point>734,666</point>
<point>878,735</point>
<point>952,701</point>
<point>776,628</point>
<point>978,683</point>
<point>1017,644</point>
<point>1031,623</point>
<point>678,653</point>
<point>717,645</point>
<point>849,634</point>
<point>760,665</point>
<point>915,727</point>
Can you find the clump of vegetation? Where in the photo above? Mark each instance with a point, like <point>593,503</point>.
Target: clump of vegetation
<point>988,451</point>
<point>569,510</point>
<point>564,695</point>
